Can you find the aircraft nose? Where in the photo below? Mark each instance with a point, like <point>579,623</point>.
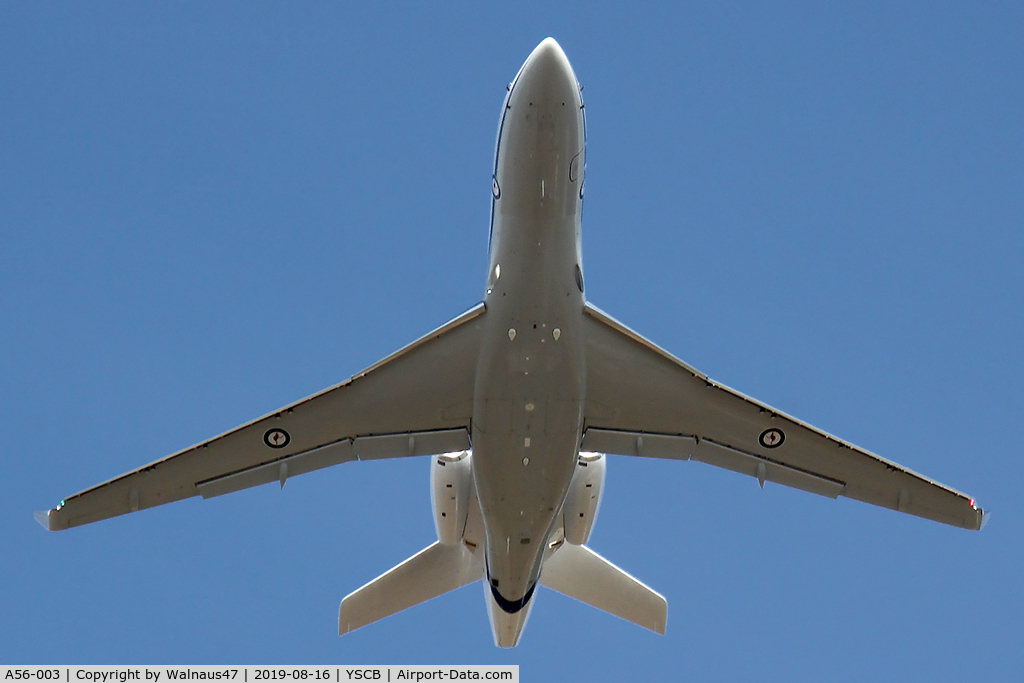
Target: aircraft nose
<point>547,72</point>
<point>549,53</point>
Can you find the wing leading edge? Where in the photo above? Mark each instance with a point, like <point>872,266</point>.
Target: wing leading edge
<point>418,401</point>
<point>643,401</point>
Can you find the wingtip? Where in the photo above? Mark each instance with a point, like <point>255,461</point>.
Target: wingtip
<point>344,620</point>
<point>52,520</point>
<point>43,517</point>
<point>985,514</point>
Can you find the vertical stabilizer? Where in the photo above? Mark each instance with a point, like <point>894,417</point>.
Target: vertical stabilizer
<point>433,571</point>
<point>579,572</point>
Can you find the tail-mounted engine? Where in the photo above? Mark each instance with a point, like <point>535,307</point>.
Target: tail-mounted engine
<point>584,497</point>
<point>451,485</point>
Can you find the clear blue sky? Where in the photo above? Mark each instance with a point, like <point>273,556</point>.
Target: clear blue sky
<point>210,211</point>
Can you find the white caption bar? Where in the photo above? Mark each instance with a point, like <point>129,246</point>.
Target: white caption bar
<point>257,674</point>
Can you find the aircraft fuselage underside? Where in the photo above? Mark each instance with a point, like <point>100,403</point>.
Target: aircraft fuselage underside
<point>530,380</point>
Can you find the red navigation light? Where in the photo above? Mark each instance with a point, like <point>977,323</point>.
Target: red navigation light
<point>972,502</point>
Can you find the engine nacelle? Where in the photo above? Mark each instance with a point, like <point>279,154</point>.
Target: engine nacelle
<point>451,484</point>
<point>584,497</point>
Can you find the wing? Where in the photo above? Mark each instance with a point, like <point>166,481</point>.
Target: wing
<point>418,401</point>
<point>643,401</point>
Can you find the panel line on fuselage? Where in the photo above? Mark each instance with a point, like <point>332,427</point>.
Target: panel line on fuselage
<point>497,153</point>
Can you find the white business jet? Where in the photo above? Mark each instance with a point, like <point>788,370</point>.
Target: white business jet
<point>517,401</point>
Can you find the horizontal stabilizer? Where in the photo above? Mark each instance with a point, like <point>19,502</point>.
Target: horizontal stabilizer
<point>433,571</point>
<point>580,573</point>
